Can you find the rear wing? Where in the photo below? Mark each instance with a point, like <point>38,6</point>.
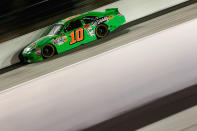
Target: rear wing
<point>112,11</point>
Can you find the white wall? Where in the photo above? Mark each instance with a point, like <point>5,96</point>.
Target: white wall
<point>132,9</point>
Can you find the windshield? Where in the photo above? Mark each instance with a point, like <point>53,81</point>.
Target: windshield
<point>56,29</point>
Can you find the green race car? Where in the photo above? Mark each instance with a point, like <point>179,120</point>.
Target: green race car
<point>73,32</point>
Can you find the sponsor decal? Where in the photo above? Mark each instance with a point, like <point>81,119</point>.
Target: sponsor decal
<point>37,52</point>
<point>60,40</point>
<point>34,45</point>
<point>110,17</point>
<point>54,41</point>
<point>89,30</point>
<point>64,38</point>
<point>100,20</point>
<point>86,26</point>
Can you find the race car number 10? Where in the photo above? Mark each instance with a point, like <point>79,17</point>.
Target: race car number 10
<point>76,36</point>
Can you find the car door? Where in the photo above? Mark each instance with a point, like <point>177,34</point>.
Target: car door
<point>71,36</point>
<point>75,32</point>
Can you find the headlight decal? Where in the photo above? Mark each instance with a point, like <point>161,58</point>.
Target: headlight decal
<point>27,50</point>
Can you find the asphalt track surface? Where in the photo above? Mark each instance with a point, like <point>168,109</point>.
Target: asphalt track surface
<point>21,73</point>
<point>188,122</point>
<point>155,111</point>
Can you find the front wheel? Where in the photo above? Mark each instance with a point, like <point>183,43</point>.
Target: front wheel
<point>101,31</point>
<point>48,51</point>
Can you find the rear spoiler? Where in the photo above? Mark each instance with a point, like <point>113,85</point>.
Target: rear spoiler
<point>112,10</point>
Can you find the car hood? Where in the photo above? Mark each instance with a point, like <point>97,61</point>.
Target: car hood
<point>43,40</point>
<point>38,43</point>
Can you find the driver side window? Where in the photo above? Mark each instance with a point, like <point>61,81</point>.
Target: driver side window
<point>73,25</point>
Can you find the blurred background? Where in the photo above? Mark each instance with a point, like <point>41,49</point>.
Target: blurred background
<point>19,17</point>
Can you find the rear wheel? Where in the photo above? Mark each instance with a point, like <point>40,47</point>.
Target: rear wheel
<point>48,51</point>
<point>101,31</point>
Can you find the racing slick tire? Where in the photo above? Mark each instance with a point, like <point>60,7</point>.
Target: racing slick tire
<point>101,31</point>
<point>48,51</point>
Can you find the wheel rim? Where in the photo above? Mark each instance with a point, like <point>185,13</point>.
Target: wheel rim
<point>48,51</point>
<point>101,31</point>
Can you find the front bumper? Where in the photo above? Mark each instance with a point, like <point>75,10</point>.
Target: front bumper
<point>30,58</point>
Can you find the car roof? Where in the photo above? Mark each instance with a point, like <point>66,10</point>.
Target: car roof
<point>75,17</point>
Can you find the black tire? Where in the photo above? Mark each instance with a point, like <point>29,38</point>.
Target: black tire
<point>101,31</point>
<point>48,51</point>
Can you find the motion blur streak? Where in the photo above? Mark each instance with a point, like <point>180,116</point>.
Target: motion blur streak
<point>18,17</point>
